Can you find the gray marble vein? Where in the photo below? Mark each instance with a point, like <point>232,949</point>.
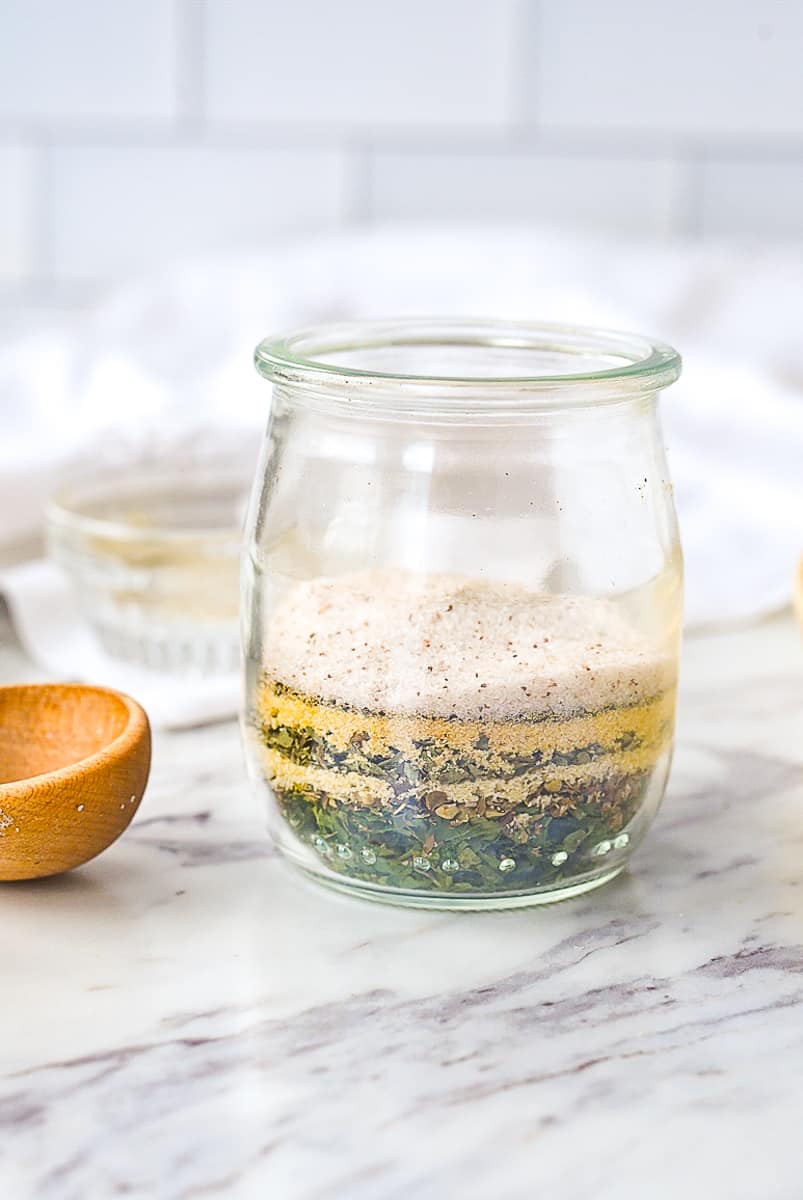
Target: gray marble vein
<point>186,1018</point>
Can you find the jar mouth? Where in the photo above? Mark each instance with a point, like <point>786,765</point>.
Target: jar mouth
<point>485,364</point>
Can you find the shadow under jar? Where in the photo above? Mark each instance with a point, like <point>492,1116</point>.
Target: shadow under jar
<point>463,591</point>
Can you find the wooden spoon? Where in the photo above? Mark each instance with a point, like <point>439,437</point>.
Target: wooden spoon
<point>74,762</point>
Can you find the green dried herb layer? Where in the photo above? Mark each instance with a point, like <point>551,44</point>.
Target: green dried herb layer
<point>411,847</point>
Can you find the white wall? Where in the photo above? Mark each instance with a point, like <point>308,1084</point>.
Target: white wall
<point>132,131</point>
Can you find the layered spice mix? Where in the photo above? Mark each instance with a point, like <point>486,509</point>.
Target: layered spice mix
<point>451,735</point>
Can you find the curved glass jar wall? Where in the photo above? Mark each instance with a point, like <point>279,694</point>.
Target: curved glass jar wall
<point>462,607</point>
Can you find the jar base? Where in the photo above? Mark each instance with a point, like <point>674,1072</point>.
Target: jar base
<point>493,902</point>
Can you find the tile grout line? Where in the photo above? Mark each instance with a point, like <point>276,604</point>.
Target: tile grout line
<point>525,56</point>
<point>190,65</point>
<point>258,134</point>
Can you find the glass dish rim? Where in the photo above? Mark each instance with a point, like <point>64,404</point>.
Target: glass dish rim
<point>62,511</point>
<point>62,517</point>
<point>640,365</point>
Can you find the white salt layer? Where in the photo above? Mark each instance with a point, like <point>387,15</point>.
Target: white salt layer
<point>447,646</point>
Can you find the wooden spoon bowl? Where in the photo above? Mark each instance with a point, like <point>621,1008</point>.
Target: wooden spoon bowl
<point>74,762</point>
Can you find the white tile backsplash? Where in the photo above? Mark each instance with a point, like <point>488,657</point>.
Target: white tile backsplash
<point>361,64</point>
<point>98,61</point>
<point>688,68</point>
<point>137,131</point>
<point>589,191</point>
<point>17,211</point>
<point>756,199</point>
<point>115,210</point>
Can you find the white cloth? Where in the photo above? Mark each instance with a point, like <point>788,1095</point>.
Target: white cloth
<point>168,360</point>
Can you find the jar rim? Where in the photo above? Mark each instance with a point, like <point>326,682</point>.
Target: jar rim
<point>601,365</point>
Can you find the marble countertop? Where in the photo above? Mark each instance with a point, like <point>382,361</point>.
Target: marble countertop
<point>186,1018</point>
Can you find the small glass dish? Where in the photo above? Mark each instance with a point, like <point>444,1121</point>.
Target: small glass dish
<point>152,549</point>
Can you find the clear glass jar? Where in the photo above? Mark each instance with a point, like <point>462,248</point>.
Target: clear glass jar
<point>463,592</point>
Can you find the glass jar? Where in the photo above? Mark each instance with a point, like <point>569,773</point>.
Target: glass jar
<point>463,592</point>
